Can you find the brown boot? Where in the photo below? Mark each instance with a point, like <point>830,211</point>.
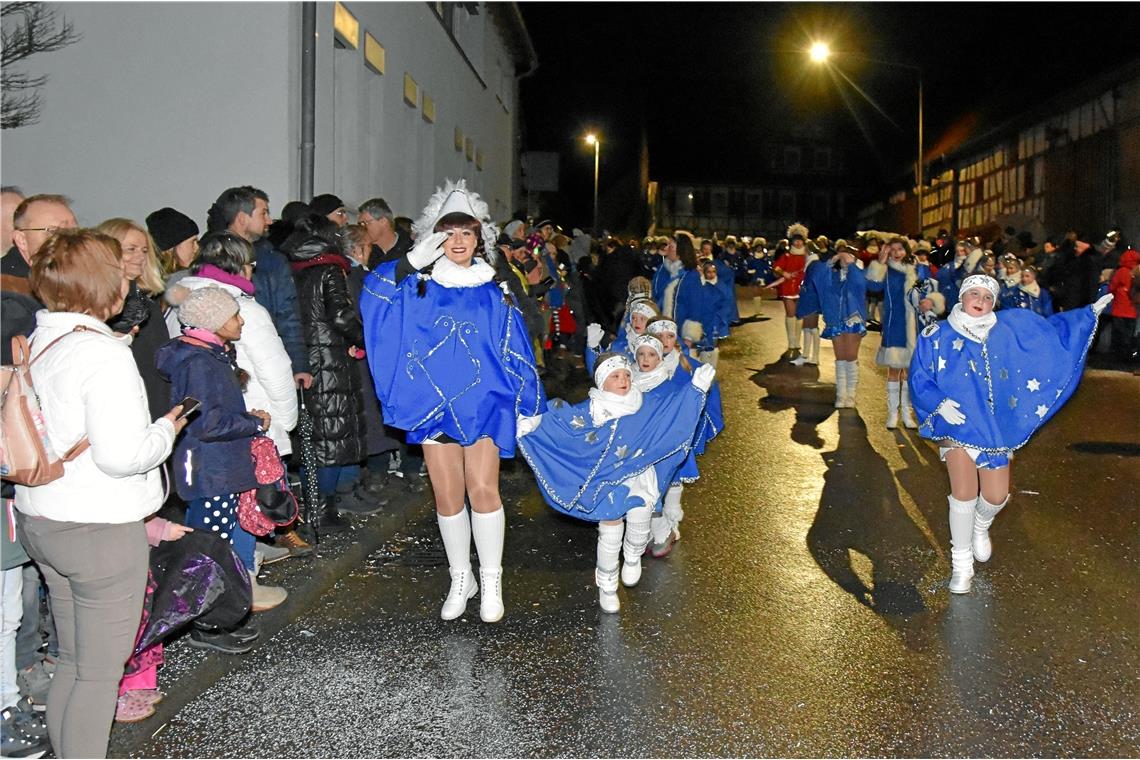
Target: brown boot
<point>296,545</point>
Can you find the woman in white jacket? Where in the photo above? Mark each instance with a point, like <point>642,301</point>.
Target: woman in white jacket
<point>85,530</point>
<point>226,260</point>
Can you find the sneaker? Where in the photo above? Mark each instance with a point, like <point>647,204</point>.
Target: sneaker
<point>218,641</point>
<point>358,502</point>
<point>34,683</point>
<point>331,520</point>
<point>293,542</point>
<point>661,550</point>
<point>14,742</point>
<point>248,633</point>
<point>271,553</point>
<point>132,707</point>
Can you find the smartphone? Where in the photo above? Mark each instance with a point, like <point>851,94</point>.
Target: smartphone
<point>189,406</point>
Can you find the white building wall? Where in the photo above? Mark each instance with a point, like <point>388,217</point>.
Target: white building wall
<point>170,103</point>
<point>162,104</point>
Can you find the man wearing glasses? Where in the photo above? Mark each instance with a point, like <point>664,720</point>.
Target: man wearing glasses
<point>330,207</point>
<point>379,225</point>
<point>34,221</point>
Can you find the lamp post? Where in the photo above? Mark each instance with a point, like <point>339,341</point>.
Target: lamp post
<point>820,52</point>
<point>592,139</point>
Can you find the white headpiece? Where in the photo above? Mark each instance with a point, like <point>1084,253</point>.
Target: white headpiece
<point>455,197</point>
<point>647,340</point>
<point>797,229</point>
<point>643,307</point>
<point>610,365</point>
<point>658,326</point>
<point>980,281</point>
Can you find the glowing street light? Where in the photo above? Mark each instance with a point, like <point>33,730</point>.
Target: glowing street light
<point>820,52</point>
<point>592,139</point>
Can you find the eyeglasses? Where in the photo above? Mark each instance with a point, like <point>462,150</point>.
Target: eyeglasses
<point>48,230</point>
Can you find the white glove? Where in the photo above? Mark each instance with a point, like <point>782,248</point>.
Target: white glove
<point>703,377</point>
<point>426,251</point>
<point>951,411</point>
<point>526,425</point>
<point>1102,304</point>
<point>594,333</point>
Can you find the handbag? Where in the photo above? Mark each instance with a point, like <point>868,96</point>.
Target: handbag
<point>271,504</point>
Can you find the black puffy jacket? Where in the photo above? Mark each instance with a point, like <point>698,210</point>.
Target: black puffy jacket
<point>331,323</point>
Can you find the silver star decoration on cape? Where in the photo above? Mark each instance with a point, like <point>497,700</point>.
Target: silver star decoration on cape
<point>578,422</point>
<point>973,366</point>
<point>935,344</point>
<point>1003,373</point>
<point>941,363</point>
<point>1013,402</point>
<point>958,343</point>
<point>1042,410</point>
<point>1033,385</point>
<point>621,451</point>
<point>591,437</point>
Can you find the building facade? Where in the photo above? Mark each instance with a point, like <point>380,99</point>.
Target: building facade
<point>1073,163</point>
<point>169,103</point>
<point>804,179</point>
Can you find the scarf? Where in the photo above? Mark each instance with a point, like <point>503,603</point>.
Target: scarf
<point>1012,282</point>
<point>606,406</point>
<point>211,272</point>
<point>976,329</point>
<point>647,381</point>
<point>670,362</point>
<point>1032,289</point>
<point>203,335</point>
<point>447,273</point>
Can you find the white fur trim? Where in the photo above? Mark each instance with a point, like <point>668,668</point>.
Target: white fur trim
<point>456,197</point>
<point>939,302</point>
<point>876,271</point>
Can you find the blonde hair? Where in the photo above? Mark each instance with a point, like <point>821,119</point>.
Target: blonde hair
<point>79,271</point>
<point>151,279</point>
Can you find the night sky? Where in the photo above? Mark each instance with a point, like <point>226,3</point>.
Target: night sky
<point>711,81</point>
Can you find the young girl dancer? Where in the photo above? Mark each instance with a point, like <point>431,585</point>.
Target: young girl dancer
<point>837,288</point>
<point>894,275</point>
<point>1028,294</point>
<point>983,383</point>
<point>454,367</point>
<point>602,461</point>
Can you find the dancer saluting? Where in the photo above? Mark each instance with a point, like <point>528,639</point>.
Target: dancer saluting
<point>453,366</point>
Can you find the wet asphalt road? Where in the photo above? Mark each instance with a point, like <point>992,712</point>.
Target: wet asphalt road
<point>803,613</point>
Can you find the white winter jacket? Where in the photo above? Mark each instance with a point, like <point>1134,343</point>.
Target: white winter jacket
<point>88,383</point>
<point>261,353</point>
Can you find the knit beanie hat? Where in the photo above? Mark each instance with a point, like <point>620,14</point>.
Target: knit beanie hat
<point>208,308</point>
<point>325,204</point>
<point>169,227</point>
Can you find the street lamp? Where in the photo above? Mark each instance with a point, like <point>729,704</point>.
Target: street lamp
<point>820,52</point>
<point>592,139</point>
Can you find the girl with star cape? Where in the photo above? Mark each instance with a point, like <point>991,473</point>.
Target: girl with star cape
<point>453,366</point>
<point>603,461</point>
<point>983,383</point>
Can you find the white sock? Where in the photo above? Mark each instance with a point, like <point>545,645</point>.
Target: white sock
<point>790,329</point>
<point>797,330</point>
<point>609,546</point>
<point>456,532</point>
<point>636,533</point>
<point>489,529</point>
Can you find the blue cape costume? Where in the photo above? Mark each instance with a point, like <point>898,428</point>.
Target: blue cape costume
<point>580,468</point>
<point>1019,298</point>
<point>726,283</point>
<point>457,361</point>
<point>839,299</point>
<point>1007,387</point>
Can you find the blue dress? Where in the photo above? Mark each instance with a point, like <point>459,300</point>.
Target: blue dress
<point>580,468</point>
<point>661,280</point>
<point>726,283</point>
<point>1019,298</point>
<point>455,362</point>
<point>693,304</point>
<point>950,279</point>
<point>842,300</point>
<point>1007,386</point>
<point>712,416</point>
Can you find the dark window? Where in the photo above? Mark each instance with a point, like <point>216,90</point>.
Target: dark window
<point>792,159</point>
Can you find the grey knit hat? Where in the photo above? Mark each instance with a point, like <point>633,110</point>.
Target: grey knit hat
<point>209,308</point>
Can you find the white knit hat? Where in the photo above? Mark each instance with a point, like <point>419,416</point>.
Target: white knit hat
<point>209,308</point>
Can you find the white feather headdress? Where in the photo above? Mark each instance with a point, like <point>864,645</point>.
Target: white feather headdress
<point>797,229</point>
<point>456,197</point>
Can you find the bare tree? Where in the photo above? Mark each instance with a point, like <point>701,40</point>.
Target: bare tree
<point>27,28</point>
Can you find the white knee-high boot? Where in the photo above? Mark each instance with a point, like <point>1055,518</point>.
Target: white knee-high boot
<point>636,538</point>
<point>892,404</point>
<point>852,382</point>
<point>811,347</point>
<point>984,515</point>
<point>797,332</point>
<point>790,329</point>
<point>456,532</point>
<point>961,551</point>
<point>904,405</point>
<point>606,571</point>
<point>840,384</point>
<point>489,530</point>
<point>814,346</point>
<point>672,510</point>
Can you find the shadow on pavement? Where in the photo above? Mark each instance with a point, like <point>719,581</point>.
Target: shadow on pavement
<point>861,523</point>
<point>792,387</point>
